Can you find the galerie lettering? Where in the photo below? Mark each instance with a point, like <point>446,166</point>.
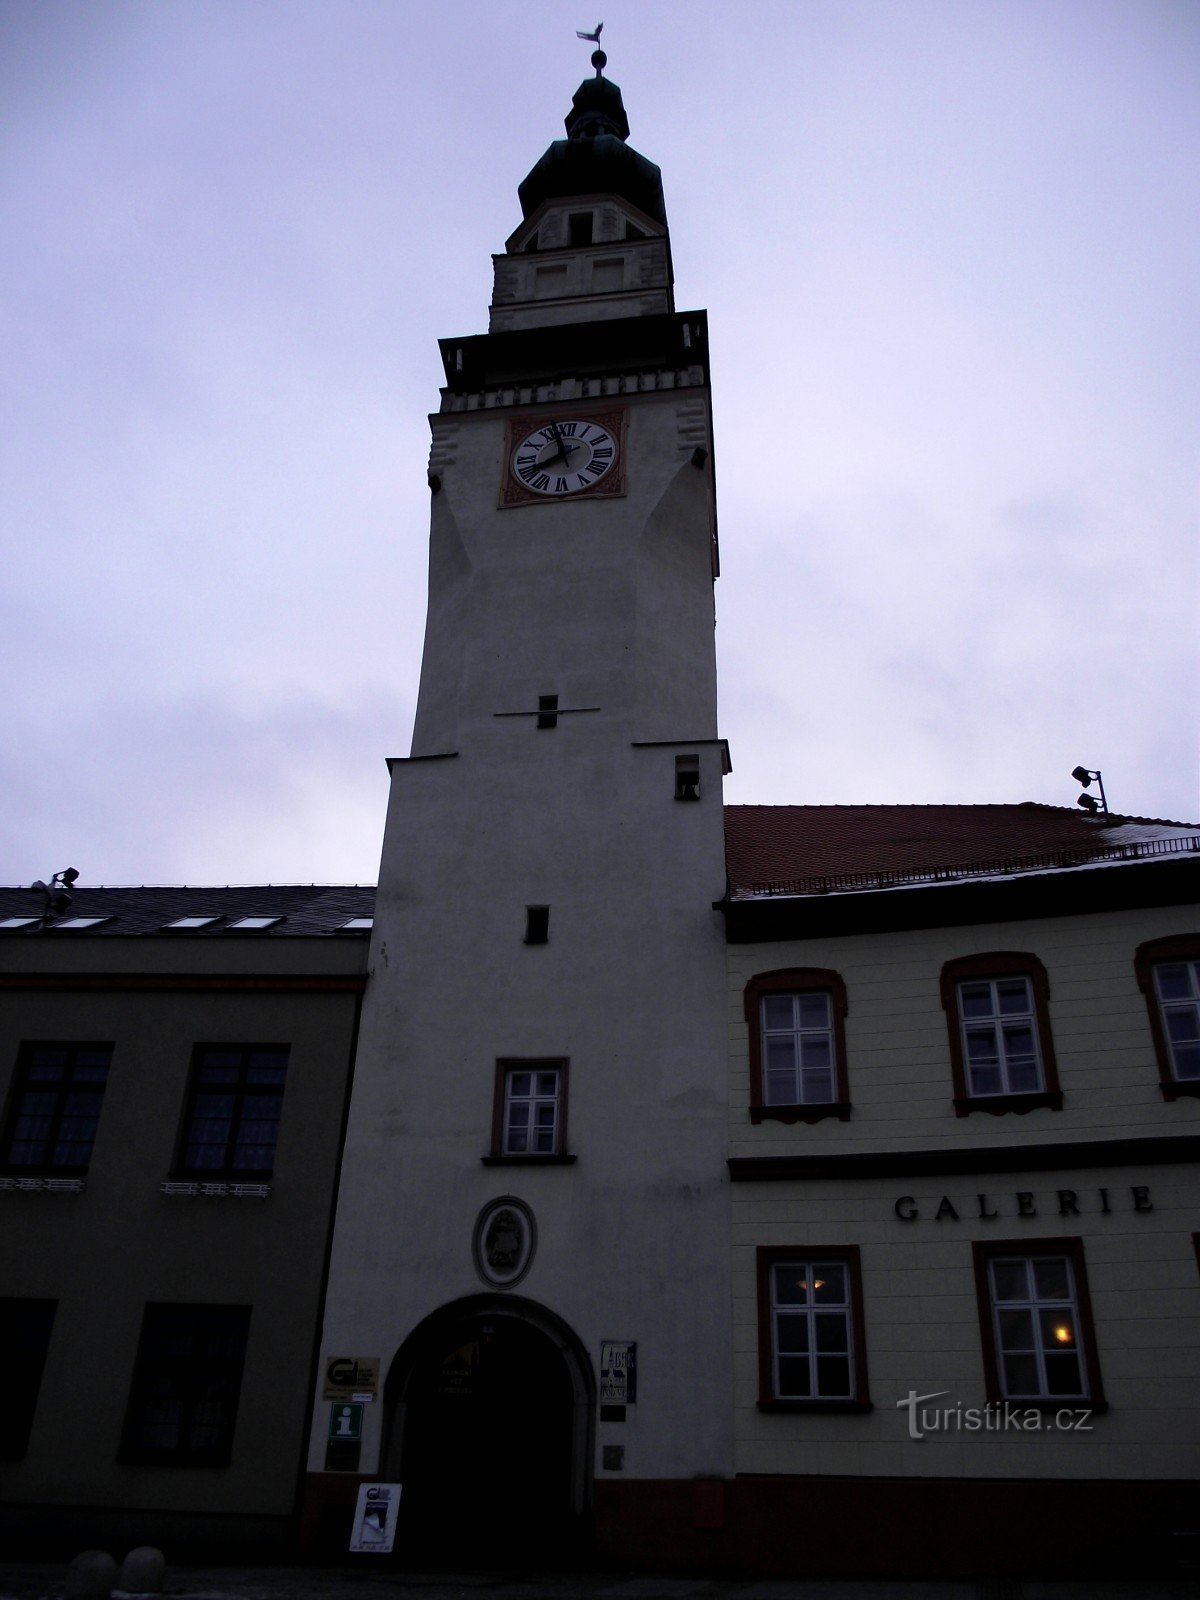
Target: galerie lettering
<point>1069,1203</point>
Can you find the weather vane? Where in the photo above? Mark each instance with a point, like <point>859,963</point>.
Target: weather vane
<point>599,59</point>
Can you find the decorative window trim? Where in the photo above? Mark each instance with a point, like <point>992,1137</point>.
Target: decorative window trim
<point>770,1256</point>
<point>797,980</point>
<point>1175,947</point>
<point>1000,964</point>
<point>499,1155</point>
<point>985,1252</point>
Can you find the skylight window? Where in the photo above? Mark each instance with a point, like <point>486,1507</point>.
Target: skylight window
<point>357,925</point>
<point>19,922</point>
<point>187,923</point>
<point>252,924</point>
<point>78,924</point>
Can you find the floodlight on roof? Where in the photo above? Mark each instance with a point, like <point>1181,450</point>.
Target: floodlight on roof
<point>57,892</point>
<point>1090,804</point>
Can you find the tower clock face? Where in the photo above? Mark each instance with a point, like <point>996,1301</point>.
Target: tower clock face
<point>564,458</point>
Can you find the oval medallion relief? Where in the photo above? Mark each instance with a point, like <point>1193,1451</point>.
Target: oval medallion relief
<point>504,1241</point>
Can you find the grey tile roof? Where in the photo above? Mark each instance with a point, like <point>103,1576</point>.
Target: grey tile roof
<point>308,910</point>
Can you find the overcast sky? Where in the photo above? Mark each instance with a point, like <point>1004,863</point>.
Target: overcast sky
<point>949,254</point>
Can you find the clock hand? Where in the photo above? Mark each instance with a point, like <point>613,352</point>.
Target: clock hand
<point>563,447</point>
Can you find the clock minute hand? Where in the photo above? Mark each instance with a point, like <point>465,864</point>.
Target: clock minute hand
<point>563,447</point>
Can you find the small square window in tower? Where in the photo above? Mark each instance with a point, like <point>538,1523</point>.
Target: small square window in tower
<point>687,777</point>
<point>537,924</point>
<point>581,224</point>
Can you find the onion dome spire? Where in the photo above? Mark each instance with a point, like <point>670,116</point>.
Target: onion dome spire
<point>594,157</point>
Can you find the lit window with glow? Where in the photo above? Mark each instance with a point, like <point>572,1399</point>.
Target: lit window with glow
<point>1035,1324</point>
<point>810,1318</point>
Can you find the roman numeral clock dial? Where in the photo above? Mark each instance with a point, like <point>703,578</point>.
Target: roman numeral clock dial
<point>562,457</point>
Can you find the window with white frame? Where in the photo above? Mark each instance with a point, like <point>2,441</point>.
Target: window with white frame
<point>795,1017</point>
<point>797,1047</point>
<point>811,1348</point>
<point>999,1033</point>
<point>1039,1345</point>
<point>1168,974</point>
<point>1177,985</point>
<point>530,1114</point>
<point>1001,1047</point>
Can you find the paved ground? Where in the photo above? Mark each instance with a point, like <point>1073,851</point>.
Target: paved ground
<point>30,1581</point>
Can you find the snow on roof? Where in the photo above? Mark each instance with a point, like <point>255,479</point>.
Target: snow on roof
<point>797,850</point>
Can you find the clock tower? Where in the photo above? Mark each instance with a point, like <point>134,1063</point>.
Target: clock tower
<point>532,1232</point>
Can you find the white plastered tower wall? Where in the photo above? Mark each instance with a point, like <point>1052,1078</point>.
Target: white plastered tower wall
<point>606,603</point>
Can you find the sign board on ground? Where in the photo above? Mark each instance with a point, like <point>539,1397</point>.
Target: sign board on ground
<point>374,1527</point>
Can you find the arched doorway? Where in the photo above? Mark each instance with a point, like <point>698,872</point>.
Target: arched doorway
<point>489,1417</point>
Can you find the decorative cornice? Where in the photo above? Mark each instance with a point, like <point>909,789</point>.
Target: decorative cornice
<point>560,391</point>
<point>961,1161</point>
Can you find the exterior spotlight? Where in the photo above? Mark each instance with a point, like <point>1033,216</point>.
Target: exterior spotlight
<point>1090,804</point>
<point>57,892</point>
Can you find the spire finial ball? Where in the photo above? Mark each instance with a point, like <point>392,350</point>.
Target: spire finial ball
<point>599,61</point>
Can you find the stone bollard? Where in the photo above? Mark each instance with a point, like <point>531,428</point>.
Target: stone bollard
<point>142,1571</point>
<point>90,1576</point>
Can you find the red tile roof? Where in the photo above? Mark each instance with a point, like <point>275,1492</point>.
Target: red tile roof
<point>812,849</point>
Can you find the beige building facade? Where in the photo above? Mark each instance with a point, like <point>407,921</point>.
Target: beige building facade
<point>176,1065</point>
<point>965,1250</point>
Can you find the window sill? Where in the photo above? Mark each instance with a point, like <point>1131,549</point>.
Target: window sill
<point>528,1161</point>
<point>997,1104</point>
<point>802,1113</point>
<point>1051,1408</point>
<point>193,1188</point>
<point>31,1184</point>
<point>816,1407</point>
<point>1181,1089</point>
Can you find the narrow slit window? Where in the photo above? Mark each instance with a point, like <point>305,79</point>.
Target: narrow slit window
<point>537,924</point>
<point>581,224</point>
<point>547,716</point>
<point>687,777</point>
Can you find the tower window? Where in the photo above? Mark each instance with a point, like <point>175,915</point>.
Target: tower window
<point>529,1117</point>
<point>537,924</point>
<point>581,224</point>
<point>549,281</point>
<point>547,716</point>
<point>687,777</point>
<point>608,275</point>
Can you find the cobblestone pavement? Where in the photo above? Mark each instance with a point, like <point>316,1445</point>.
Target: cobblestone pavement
<point>32,1581</point>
